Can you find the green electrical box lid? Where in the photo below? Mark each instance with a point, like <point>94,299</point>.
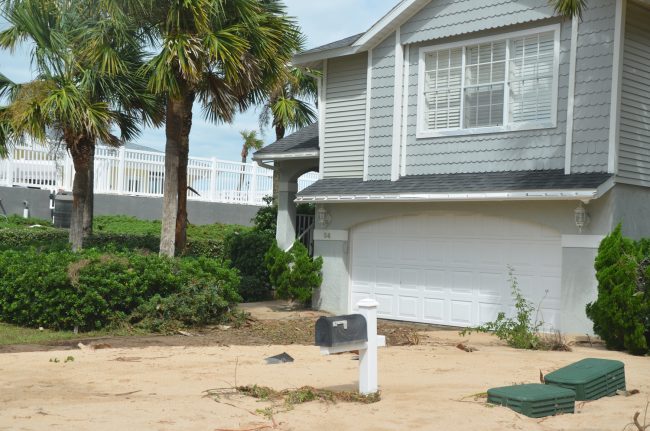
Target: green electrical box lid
<point>534,400</point>
<point>591,378</point>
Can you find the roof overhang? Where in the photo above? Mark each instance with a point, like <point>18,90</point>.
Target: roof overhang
<point>584,195</point>
<point>288,156</point>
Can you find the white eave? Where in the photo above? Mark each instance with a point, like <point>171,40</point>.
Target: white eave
<point>378,32</point>
<point>288,156</point>
<point>584,195</point>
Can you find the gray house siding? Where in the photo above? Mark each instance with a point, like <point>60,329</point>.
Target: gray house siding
<point>634,144</point>
<point>520,150</point>
<point>595,56</point>
<point>446,18</point>
<point>381,110</point>
<point>345,117</point>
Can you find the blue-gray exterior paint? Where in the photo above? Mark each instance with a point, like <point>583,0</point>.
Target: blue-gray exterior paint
<point>595,56</point>
<point>445,18</point>
<point>521,150</point>
<point>381,110</point>
<point>634,149</point>
<point>345,117</point>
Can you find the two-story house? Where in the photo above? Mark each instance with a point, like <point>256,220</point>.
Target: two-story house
<point>459,140</point>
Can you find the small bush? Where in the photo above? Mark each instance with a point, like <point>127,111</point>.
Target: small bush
<point>246,251</point>
<point>621,314</point>
<point>294,274</point>
<point>266,217</point>
<point>520,332</point>
<point>90,290</point>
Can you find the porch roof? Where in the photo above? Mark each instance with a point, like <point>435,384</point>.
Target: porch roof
<point>302,144</point>
<point>513,185</point>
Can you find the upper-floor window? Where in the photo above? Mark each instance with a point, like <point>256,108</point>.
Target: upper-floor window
<point>495,84</point>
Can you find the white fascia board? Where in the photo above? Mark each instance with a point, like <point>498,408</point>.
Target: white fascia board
<point>288,156</point>
<point>304,59</point>
<point>393,19</point>
<point>584,195</point>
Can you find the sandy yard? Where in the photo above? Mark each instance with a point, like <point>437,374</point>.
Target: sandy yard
<point>423,387</point>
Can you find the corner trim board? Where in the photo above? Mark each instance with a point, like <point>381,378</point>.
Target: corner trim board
<point>322,104</point>
<point>617,84</point>
<point>397,107</point>
<point>405,108</point>
<point>366,150</point>
<point>568,156</point>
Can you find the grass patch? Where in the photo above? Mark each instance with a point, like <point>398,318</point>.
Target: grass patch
<point>11,334</point>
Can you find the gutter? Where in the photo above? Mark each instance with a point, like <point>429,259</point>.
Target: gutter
<point>584,195</point>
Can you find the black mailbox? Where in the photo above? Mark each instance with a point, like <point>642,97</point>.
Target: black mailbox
<point>340,330</point>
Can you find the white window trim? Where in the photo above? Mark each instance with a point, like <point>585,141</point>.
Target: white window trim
<point>422,132</point>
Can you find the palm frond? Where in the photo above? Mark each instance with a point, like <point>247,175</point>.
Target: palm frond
<point>569,8</point>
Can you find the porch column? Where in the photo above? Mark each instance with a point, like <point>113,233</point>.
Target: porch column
<point>286,230</point>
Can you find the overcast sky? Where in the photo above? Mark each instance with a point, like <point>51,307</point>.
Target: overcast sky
<point>321,22</point>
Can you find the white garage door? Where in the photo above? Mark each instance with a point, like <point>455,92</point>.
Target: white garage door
<point>452,269</point>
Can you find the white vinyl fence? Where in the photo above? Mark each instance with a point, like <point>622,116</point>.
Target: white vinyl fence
<point>142,173</point>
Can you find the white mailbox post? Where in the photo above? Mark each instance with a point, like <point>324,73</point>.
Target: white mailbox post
<point>368,383</point>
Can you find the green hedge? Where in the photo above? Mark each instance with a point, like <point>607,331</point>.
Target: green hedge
<point>621,314</point>
<point>246,251</point>
<point>57,240</point>
<point>90,290</point>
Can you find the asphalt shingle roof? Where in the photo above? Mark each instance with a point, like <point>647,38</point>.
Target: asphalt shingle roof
<point>305,139</point>
<point>459,183</point>
<point>343,43</point>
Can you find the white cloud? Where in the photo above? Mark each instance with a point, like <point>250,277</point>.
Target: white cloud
<point>321,22</point>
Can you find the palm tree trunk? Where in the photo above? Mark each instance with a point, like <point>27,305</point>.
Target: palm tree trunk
<point>183,157</point>
<point>279,134</point>
<point>170,189</point>
<point>80,151</point>
<point>89,207</point>
<point>244,157</point>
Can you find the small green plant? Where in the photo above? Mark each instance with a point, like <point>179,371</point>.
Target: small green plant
<point>54,360</point>
<point>521,331</point>
<point>294,274</point>
<point>69,359</point>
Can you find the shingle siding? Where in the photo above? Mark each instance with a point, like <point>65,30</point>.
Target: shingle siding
<point>446,18</point>
<point>634,148</point>
<point>595,56</point>
<point>345,117</point>
<point>493,152</point>
<point>381,110</point>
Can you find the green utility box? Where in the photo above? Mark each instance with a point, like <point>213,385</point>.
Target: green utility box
<point>534,400</point>
<point>590,378</point>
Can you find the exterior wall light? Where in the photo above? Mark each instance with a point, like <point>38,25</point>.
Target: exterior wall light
<point>323,218</point>
<point>581,217</point>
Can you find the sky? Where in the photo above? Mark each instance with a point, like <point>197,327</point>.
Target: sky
<point>321,22</point>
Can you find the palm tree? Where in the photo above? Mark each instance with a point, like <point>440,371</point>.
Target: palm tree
<point>251,142</point>
<point>569,8</point>
<point>289,103</point>
<point>224,54</point>
<point>86,85</point>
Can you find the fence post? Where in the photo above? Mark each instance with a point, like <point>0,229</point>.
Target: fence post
<point>9,166</point>
<point>121,170</point>
<point>213,180</point>
<point>252,189</point>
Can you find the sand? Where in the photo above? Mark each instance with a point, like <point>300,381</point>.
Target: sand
<point>424,387</point>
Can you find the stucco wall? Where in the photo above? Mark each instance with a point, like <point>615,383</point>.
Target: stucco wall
<point>141,207</point>
<point>632,209</point>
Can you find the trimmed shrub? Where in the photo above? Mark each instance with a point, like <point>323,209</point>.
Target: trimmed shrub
<point>294,274</point>
<point>61,290</point>
<point>246,251</point>
<point>621,314</point>
<point>267,217</point>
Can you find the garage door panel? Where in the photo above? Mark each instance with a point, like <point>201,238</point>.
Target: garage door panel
<point>386,306</point>
<point>435,281</point>
<point>452,269</point>
<point>487,312</point>
<point>460,313</point>
<point>434,310</point>
<point>408,307</point>
<point>461,283</point>
<point>411,250</point>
